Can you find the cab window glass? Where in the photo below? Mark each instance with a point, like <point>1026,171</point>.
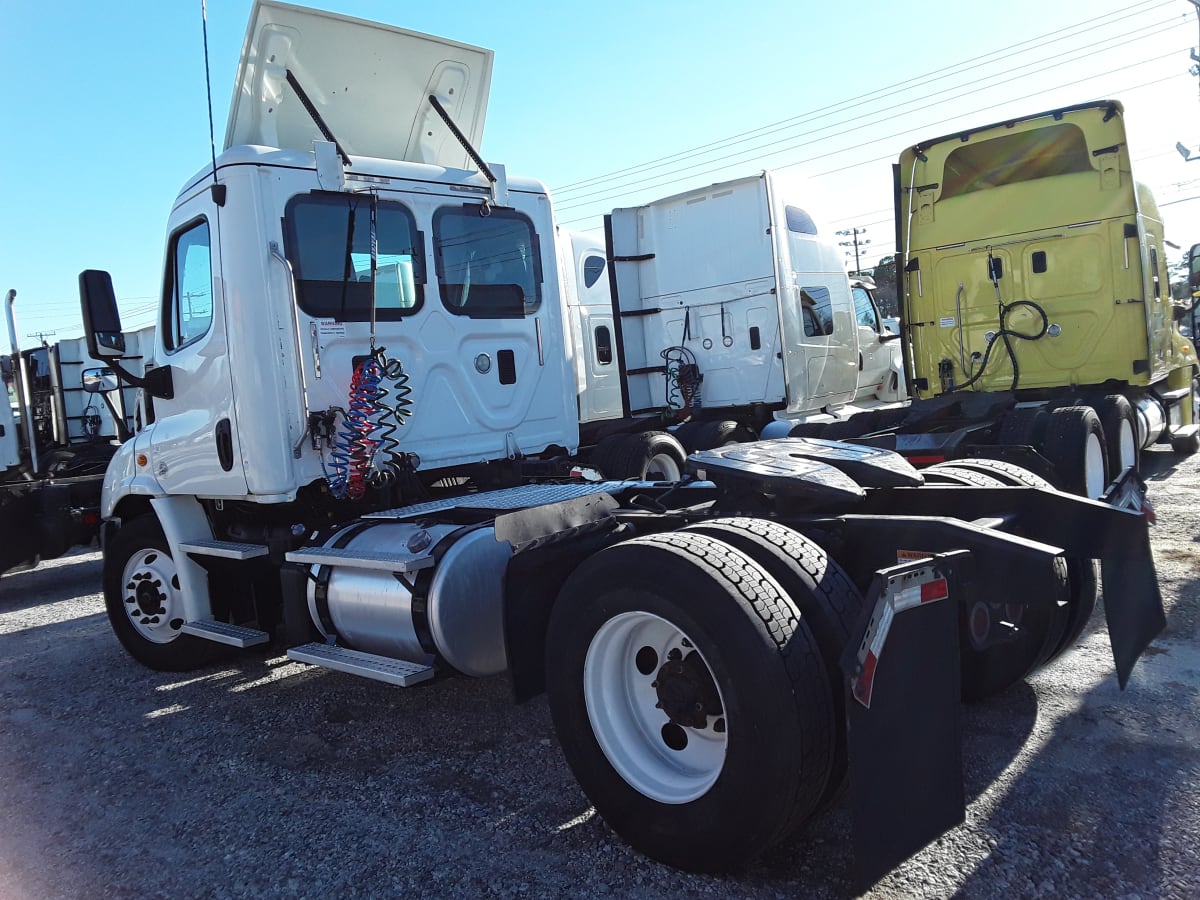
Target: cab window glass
<point>188,301</point>
<point>488,267</point>
<point>864,309</point>
<point>1154,277</point>
<point>799,221</point>
<point>593,268</point>
<point>1014,158</point>
<point>817,307</point>
<point>328,238</point>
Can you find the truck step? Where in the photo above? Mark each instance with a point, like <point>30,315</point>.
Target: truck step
<point>224,633</point>
<point>368,665</point>
<point>356,559</point>
<point>224,549</point>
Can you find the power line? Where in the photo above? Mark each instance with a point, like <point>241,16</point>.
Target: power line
<point>907,84</point>
<point>857,127</point>
<point>908,130</point>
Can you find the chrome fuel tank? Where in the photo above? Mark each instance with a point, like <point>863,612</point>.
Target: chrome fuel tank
<point>450,603</point>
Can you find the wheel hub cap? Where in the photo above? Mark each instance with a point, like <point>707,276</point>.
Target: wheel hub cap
<point>150,591</point>
<point>686,691</point>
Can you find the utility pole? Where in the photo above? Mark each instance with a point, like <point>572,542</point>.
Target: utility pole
<point>1183,149</point>
<point>41,336</point>
<point>853,233</point>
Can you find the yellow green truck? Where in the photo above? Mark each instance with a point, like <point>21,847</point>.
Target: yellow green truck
<point>1037,320</point>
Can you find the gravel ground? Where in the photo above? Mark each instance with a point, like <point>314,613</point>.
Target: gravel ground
<point>262,777</point>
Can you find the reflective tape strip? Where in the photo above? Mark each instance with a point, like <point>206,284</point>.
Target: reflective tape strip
<point>902,592</point>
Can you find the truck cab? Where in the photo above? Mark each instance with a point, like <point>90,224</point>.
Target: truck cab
<point>297,257</point>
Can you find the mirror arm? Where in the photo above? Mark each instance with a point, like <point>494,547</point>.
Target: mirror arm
<point>123,433</point>
<point>157,382</point>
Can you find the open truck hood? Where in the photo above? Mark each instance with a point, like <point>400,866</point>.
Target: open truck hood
<point>370,82</point>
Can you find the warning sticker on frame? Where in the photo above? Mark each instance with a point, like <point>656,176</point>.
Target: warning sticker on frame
<point>903,556</point>
<point>331,328</point>
<point>947,321</point>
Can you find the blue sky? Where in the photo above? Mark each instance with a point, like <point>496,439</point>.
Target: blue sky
<point>104,115</point>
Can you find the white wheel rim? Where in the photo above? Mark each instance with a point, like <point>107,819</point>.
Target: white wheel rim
<point>621,699</point>
<point>150,595</point>
<point>1093,466</point>
<point>663,467</point>
<point>1127,444</point>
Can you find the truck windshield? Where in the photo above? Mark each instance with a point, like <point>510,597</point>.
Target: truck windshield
<point>328,241</point>
<point>488,267</point>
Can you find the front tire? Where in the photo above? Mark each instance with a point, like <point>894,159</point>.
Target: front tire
<point>690,699</point>
<point>145,603</point>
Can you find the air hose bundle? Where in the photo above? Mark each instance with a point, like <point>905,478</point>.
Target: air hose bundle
<point>683,378</point>
<point>1005,333</point>
<point>365,449</point>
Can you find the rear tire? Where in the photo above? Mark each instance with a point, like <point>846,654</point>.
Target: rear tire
<point>1075,444</point>
<point>738,751</point>
<point>1023,426</point>
<point>948,473</point>
<point>809,430</point>
<point>144,601</point>
<point>1083,587</point>
<point>645,456</point>
<point>1041,627</point>
<point>720,434</point>
<point>1037,628</point>
<point>1002,472</point>
<point>1119,423</point>
<point>820,588</point>
<point>1186,446</point>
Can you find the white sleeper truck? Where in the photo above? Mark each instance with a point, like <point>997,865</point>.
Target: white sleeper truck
<point>734,310</point>
<point>359,440</point>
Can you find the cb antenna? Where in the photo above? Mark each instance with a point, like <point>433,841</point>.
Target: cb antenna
<point>218,190</point>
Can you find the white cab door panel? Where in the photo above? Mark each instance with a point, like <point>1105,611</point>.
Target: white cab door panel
<point>194,443</point>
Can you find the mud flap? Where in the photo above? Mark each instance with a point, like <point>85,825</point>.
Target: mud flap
<point>902,713</point>
<point>1133,606</point>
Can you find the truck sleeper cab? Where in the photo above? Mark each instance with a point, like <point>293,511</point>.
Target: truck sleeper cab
<point>1038,324</point>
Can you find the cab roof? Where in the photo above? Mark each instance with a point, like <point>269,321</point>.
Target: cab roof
<point>370,83</point>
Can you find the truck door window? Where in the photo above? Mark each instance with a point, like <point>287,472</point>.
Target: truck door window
<point>328,240</point>
<point>817,307</point>
<point>604,350</point>
<point>1154,276</point>
<point>865,310</point>
<point>187,297</point>
<point>487,267</point>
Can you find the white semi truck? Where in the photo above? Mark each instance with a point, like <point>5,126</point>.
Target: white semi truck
<point>732,304</point>
<point>359,441</point>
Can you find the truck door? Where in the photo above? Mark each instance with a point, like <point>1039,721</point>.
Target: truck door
<point>875,358</point>
<point>591,308</point>
<point>194,443</point>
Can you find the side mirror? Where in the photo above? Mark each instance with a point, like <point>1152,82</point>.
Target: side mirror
<point>101,320</point>
<point>887,337</point>
<point>99,381</point>
<point>1193,260</point>
<point>106,342</point>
